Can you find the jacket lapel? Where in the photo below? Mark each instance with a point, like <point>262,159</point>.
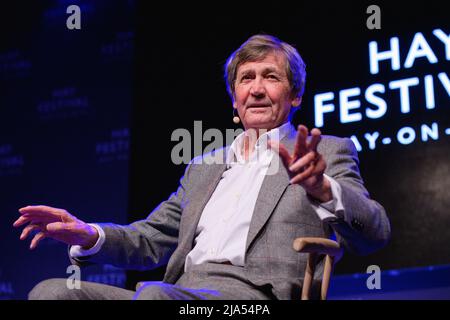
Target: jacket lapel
<point>211,178</point>
<point>192,214</point>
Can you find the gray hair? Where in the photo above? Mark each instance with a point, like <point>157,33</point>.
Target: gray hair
<point>257,48</point>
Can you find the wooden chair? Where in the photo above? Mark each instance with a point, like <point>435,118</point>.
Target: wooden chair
<point>316,247</point>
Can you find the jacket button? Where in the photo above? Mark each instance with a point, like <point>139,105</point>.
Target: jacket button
<point>356,224</point>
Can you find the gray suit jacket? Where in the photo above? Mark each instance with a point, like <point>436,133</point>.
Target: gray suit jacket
<point>282,213</point>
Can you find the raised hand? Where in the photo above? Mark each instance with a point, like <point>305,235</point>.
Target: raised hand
<point>306,166</point>
<point>57,224</point>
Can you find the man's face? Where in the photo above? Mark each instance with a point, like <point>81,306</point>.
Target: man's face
<point>262,93</point>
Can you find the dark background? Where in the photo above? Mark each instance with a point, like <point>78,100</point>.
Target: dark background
<point>65,104</point>
<point>86,116</point>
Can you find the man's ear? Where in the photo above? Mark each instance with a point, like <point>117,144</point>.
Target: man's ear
<point>296,102</point>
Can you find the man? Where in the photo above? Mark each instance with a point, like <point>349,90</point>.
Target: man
<point>227,232</point>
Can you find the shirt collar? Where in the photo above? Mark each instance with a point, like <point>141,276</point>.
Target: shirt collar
<point>276,134</point>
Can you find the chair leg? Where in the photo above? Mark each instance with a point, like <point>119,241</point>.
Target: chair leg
<point>327,270</point>
<point>309,275</point>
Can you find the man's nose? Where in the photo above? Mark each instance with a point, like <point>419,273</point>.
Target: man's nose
<point>257,89</point>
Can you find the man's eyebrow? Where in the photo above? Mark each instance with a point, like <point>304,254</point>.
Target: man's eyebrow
<point>270,69</point>
<point>246,71</point>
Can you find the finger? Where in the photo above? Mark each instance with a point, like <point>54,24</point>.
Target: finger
<point>282,151</point>
<point>21,221</point>
<point>303,161</point>
<point>300,142</point>
<point>315,139</point>
<point>303,175</point>
<point>28,229</point>
<point>314,170</point>
<point>34,219</point>
<point>320,166</point>
<point>46,212</point>
<point>37,238</point>
<point>40,210</point>
<point>32,208</point>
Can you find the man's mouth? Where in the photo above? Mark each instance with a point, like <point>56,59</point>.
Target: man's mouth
<point>257,106</point>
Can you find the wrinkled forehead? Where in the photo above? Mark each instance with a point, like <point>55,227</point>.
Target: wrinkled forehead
<point>275,61</point>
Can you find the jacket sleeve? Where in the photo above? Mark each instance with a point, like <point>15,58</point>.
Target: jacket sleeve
<point>363,226</point>
<point>144,244</point>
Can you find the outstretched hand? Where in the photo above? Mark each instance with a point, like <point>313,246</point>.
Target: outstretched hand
<point>306,166</point>
<point>57,224</point>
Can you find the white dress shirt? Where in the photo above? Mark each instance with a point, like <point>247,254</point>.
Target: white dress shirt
<point>221,233</point>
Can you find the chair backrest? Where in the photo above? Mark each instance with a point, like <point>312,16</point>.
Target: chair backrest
<point>316,247</point>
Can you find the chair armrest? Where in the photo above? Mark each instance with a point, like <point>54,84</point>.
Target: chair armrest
<point>318,246</point>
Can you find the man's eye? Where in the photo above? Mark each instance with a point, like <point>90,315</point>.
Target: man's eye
<point>272,76</point>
